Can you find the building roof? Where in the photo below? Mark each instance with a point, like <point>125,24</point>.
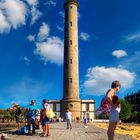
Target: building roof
<point>82,101</point>
<point>88,101</point>
<point>54,101</point>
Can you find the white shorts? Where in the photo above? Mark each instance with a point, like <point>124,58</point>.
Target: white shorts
<point>114,115</point>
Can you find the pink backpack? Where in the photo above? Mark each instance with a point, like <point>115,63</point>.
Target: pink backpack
<point>104,107</point>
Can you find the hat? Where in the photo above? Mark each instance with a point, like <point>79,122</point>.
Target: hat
<point>4,136</point>
<point>15,104</point>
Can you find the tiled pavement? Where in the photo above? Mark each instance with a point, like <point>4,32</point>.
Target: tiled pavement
<point>79,132</point>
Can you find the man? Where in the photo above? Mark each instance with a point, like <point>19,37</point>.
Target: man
<point>68,119</point>
<point>85,119</point>
<point>31,116</point>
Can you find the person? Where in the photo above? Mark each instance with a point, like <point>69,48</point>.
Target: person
<point>68,119</point>
<point>44,119</point>
<point>62,119</point>
<point>85,119</point>
<point>31,117</point>
<point>59,119</point>
<point>114,114</point>
<point>17,114</point>
<point>37,118</point>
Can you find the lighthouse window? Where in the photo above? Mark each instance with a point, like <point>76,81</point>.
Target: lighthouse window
<point>71,7</point>
<point>71,23</point>
<point>70,42</point>
<point>70,61</point>
<point>70,105</point>
<point>70,80</point>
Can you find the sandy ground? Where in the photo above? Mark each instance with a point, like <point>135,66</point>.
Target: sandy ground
<point>132,130</point>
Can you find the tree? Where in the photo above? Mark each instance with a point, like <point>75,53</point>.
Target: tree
<point>102,116</point>
<point>126,110</point>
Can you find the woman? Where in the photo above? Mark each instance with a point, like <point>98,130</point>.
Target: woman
<point>115,110</point>
<point>44,119</point>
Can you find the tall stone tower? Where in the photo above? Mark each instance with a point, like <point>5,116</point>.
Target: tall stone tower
<point>71,98</point>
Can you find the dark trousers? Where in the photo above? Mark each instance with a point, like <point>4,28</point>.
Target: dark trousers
<point>31,122</point>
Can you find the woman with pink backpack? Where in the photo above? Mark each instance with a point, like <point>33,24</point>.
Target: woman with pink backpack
<point>110,105</point>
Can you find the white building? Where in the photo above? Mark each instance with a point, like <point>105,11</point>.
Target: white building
<point>87,106</point>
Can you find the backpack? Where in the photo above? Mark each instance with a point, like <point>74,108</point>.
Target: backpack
<point>23,130</point>
<point>50,114</point>
<point>104,107</point>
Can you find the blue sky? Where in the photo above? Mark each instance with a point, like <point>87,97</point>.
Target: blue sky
<point>31,49</point>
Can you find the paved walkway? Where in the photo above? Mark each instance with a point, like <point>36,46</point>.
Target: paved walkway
<point>59,132</point>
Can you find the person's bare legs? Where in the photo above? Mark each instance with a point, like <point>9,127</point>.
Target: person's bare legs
<point>18,126</point>
<point>48,130</point>
<point>111,129</point>
<point>70,126</point>
<point>43,128</point>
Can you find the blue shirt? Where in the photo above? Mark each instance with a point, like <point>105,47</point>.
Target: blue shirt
<point>31,111</point>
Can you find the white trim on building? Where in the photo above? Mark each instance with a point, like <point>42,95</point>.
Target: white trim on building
<point>87,106</point>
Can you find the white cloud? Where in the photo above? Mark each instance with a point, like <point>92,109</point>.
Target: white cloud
<point>43,32</point>
<point>99,79</point>
<point>84,36</point>
<point>79,15</point>
<point>4,24</point>
<point>35,13</point>
<point>51,50</point>
<point>13,14</point>
<point>135,37</point>
<point>26,60</point>
<point>15,11</point>
<point>61,14</point>
<point>31,38</point>
<point>60,28</point>
<point>51,3</point>
<point>119,53</point>
<point>132,63</point>
<point>32,2</point>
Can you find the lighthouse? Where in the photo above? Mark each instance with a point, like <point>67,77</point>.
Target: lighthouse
<point>71,99</point>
